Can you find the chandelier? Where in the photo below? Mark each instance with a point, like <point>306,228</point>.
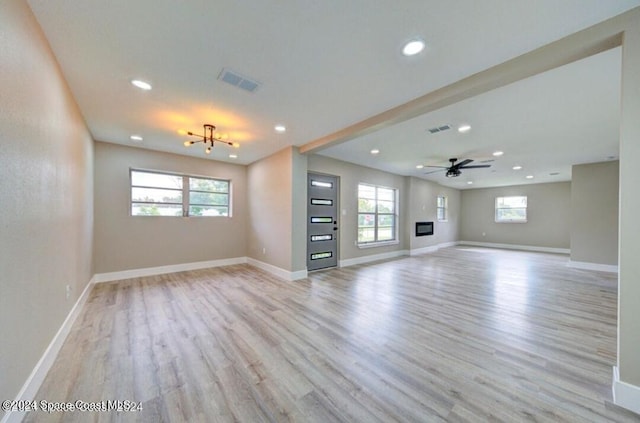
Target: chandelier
<point>209,138</point>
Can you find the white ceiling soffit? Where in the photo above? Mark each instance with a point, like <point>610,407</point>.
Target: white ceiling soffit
<point>545,123</point>
<point>322,66</point>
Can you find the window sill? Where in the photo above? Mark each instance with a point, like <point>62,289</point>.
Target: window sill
<point>378,244</point>
<point>186,217</point>
<point>445,220</point>
<point>511,221</point>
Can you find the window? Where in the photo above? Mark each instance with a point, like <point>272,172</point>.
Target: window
<point>442,208</point>
<point>208,197</point>
<point>511,209</point>
<point>170,194</point>
<point>376,214</point>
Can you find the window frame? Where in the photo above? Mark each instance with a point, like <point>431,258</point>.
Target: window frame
<point>444,208</point>
<point>186,204</point>
<point>395,215</point>
<point>526,205</point>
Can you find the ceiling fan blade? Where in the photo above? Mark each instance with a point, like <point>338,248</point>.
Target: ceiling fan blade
<point>441,167</point>
<point>462,163</point>
<point>435,171</point>
<point>473,166</point>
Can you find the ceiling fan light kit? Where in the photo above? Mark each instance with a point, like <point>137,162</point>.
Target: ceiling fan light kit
<point>209,138</point>
<point>453,173</point>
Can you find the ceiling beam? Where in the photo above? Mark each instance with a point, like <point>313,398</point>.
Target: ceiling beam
<point>593,40</point>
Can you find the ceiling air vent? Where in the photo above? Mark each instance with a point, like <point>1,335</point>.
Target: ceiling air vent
<point>441,128</point>
<point>237,80</point>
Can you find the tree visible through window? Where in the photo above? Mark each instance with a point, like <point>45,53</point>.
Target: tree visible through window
<point>376,214</point>
<point>166,194</point>
<point>155,194</point>
<point>208,197</point>
<point>511,209</point>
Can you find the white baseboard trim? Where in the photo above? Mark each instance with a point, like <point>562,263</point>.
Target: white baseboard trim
<point>39,372</point>
<point>278,271</point>
<point>592,266</point>
<point>395,254</point>
<point>161,270</point>
<point>625,395</point>
<point>424,250</point>
<point>300,274</point>
<point>373,257</point>
<point>517,247</point>
<point>432,248</point>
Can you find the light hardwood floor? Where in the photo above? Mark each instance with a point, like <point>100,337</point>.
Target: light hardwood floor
<point>463,334</point>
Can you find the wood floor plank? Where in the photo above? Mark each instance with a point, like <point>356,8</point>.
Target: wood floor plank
<point>460,335</point>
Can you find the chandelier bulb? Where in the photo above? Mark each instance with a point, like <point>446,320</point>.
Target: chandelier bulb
<point>208,150</point>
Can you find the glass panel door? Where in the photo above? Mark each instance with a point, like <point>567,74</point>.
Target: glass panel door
<point>322,226</point>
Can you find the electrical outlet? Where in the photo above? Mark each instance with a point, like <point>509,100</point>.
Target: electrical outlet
<point>68,289</point>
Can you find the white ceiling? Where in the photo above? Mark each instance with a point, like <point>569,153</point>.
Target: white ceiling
<point>326,65</point>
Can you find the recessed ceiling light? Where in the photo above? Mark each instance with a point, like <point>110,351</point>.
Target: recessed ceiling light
<point>516,167</point>
<point>498,153</point>
<point>420,167</point>
<point>413,47</point>
<point>375,151</point>
<point>469,182</point>
<point>280,128</point>
<point>143,85</point>
<point>464,128</point>
<point>135,138</point>
<point>233,156</point>
<point>529,176</point>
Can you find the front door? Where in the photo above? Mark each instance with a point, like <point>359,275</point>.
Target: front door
<point>322,226</point>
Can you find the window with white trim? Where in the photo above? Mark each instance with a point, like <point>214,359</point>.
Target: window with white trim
<point>172,194</point>
<point>511,209</point>
<point>441,208</point>
<point>377,214</point>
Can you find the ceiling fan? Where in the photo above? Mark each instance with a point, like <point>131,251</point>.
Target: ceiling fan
<point>454,170</point>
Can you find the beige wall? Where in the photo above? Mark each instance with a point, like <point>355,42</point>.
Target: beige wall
<point>124,242</point>
<point>421,205</point>
<point>46,190</point>
<point>350,176</point>
<point>271,209</point>
<point>594,213</point>
<point>548,214</point>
